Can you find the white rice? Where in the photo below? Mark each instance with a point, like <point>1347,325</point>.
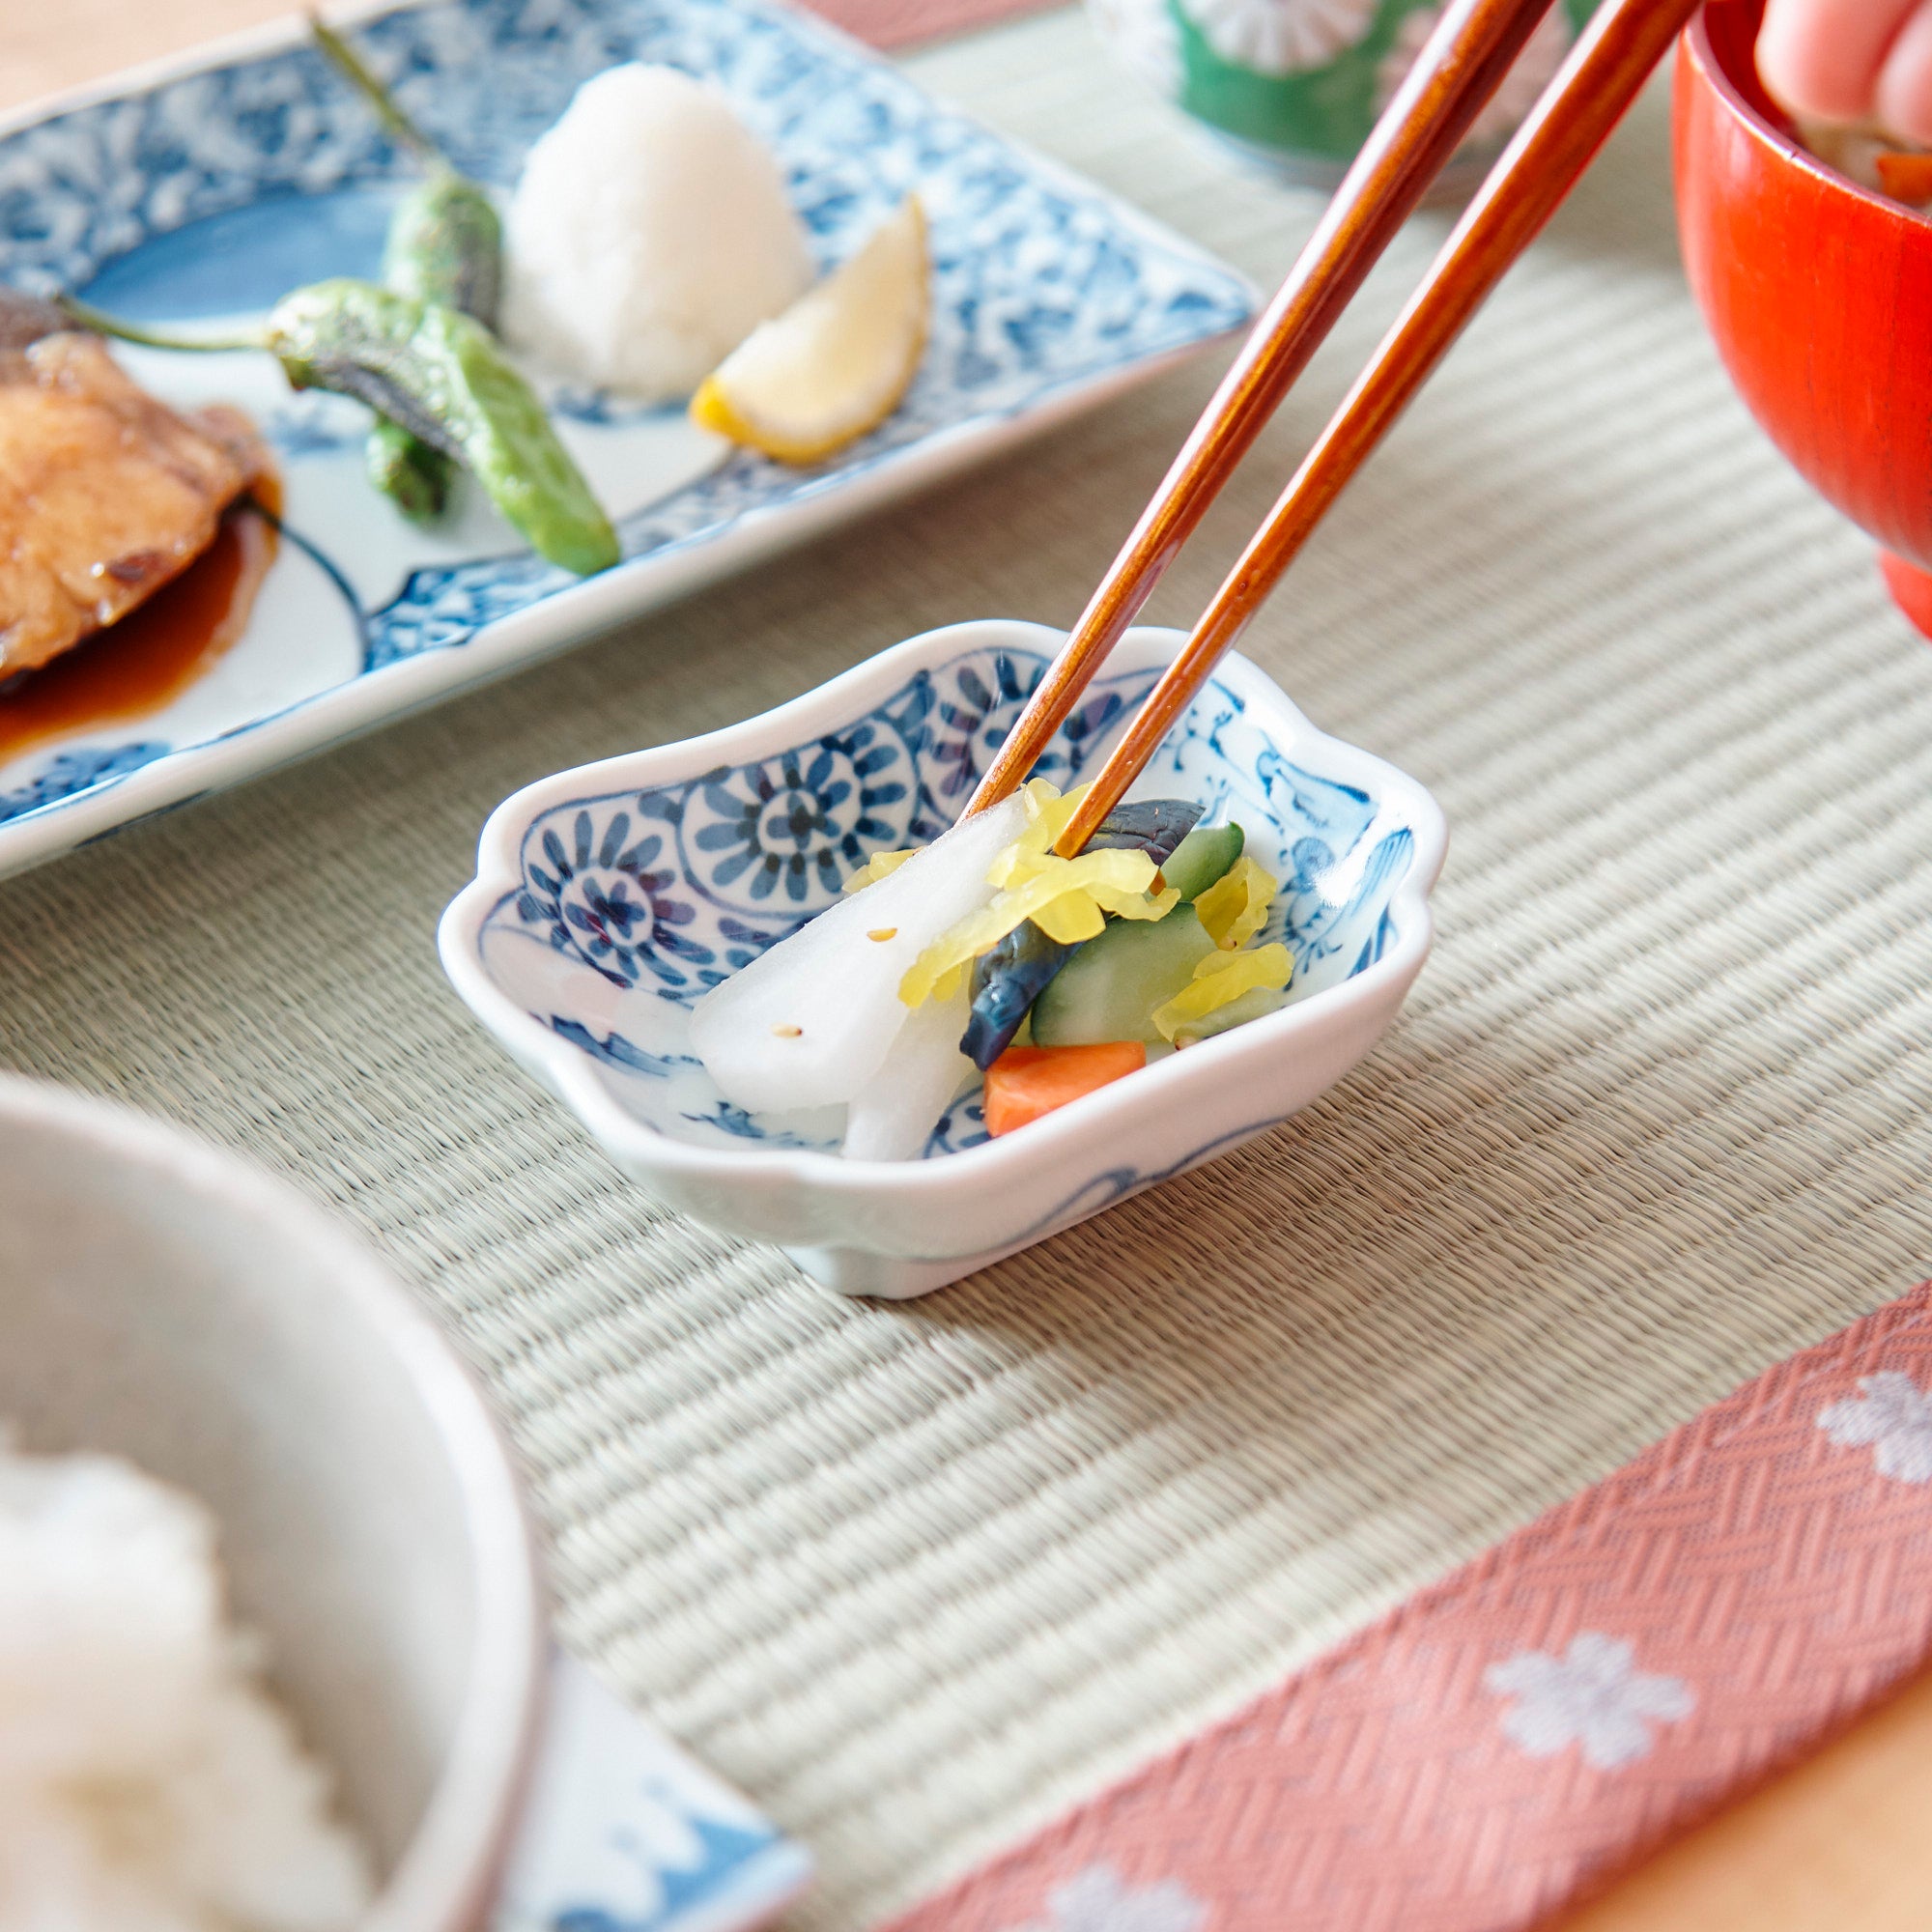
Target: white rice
<point>649,235</point>
<point>148,1783</point>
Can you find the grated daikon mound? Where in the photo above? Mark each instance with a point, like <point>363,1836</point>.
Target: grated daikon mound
<point>148,1782</point>
<point>649,235</point>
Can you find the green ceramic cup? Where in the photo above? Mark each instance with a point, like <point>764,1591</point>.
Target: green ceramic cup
<point>1299,83</point>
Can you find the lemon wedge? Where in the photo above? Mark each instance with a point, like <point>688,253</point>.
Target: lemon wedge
<point>837,362</point>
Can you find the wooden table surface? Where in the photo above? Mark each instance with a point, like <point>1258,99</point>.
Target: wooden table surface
<point>1837,1843</point>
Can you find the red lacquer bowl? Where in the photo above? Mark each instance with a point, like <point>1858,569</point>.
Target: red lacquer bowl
<point>1818,293</point>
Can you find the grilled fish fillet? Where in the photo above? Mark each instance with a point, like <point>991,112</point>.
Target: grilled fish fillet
<point>105,493</point>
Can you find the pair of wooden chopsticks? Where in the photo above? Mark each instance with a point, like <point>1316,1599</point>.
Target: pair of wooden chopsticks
<point>1452,79</point>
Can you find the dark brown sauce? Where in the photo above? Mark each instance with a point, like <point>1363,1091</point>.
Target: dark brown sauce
<point>158,651</point>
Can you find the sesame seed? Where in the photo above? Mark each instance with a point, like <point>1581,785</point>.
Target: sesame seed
<point>883,932</point>
<point>788,1031</point>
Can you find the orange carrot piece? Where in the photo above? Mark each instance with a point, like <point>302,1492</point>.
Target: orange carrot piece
<point>1026,1082</point>
<point>1906,177</point>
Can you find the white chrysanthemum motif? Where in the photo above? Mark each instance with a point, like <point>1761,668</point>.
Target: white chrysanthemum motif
<point>1591,1696</point>
<point>1891,1416</point>
<point>1146,39</point>
<point>1529,75</point>
<point>1097,1900</point>
<point>1281,36</point>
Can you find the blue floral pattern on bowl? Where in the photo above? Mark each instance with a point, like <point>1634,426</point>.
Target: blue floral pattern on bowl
<point>664,893</point>
<point>215,191</point>
<point>679,887</point>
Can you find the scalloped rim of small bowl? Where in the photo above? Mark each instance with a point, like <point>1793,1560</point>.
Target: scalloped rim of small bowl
<point>572,1077</point>
<point>1704,56</point>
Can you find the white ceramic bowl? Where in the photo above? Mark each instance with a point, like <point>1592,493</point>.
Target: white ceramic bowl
<point>166,1304</point>
<point>609,898</point>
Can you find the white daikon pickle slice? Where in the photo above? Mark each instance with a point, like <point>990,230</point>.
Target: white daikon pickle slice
<point>892,1115</point>
<point>809,1023</point>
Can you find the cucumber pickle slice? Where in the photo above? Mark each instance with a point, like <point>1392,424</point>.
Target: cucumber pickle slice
<point>1109,989</point>
<point>1208,853</point>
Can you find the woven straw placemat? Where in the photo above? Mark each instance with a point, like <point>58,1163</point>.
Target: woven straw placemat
<point>915,1575</point>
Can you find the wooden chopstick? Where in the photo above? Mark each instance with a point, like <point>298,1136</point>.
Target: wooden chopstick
<point>1452,79</point>
<point>1621,43</point>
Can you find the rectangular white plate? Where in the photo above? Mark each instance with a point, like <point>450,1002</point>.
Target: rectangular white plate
<point>213,187</point>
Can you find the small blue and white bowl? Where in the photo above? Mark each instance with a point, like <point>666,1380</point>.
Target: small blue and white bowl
<point>609,898</point>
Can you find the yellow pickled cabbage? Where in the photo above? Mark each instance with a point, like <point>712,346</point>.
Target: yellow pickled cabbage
<point>1067,899</point>
<point>1049,813</point>
<point>1236,906</point>
<point>880,865</point>
<point>1221,979</point>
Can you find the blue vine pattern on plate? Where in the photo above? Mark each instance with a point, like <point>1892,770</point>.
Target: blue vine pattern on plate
<point>648,898</point>
<point>69,774</point>
<point>1041,285</point>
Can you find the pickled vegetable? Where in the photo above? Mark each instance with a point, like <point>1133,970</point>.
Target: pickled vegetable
<point>1110,988</point>
<point>1005,983</point>
<point>1067,899</point>
<point>1202,856</point>
<point>1026,1082</point>
<point>1236,906</point>
<point>810,1022</point>
<point>880,865</point>
<point>988,951</point>
<point>892,1115</point>
<point>1256,1003</point>
<point>1011,976</point>
<point>1155,826</point>
<point>1219,980</point>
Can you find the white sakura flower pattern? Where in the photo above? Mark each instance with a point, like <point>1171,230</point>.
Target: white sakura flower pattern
<point>1589,1697</point>
<point>1892,1416</point>
<point>1095,1900</point>
<point>1529,75</point>
<point>1276,37</point>
<point>1147,40</point>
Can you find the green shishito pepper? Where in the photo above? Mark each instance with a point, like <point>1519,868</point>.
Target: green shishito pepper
<point>406,470</point>
<point>446,246</point>
<point>440,376</point>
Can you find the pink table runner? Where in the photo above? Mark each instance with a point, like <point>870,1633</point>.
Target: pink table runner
<point>1508,1741</point>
